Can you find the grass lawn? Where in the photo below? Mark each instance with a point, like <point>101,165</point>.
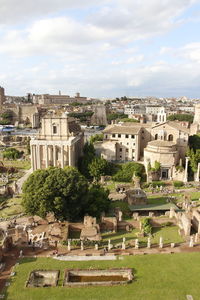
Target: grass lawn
<point>19,164</point>
<point>11,207</point>
<point>157,277</point>
<point>169,233</point>
<point>155,199</point>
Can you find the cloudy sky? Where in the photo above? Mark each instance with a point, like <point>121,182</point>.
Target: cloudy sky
<point>102,48</point>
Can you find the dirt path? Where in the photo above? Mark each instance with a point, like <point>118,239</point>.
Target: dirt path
<point>10,258</point>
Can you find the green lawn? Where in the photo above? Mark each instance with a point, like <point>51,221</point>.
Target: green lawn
<point>169,233</point>
<point>157,277</point>
<point>155,199</point>
<point>19,164</point>
<point>11,207</point>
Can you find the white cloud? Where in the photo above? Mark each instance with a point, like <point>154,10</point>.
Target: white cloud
<point>13,11</point>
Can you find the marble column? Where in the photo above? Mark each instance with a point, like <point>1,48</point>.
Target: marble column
<point>38,157</point>
<point>47,156</point>
<point>186,170</point>
<point>32,159</point>
<point>70,155</point>
<point>54,155</point>
<point>198,173</point>
<point>35,157</point>
<point>62,156</point>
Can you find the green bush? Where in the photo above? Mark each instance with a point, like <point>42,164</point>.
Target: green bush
<point>146,226</point>
<point>12,153</point>
<point>157,183</point>
<point>178,183</point>
<point>180,168</point>
<point>127,171</point>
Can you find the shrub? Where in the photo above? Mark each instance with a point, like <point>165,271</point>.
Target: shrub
<point>158,183</point>
<point>12,153</point>
<point>178,183</point>
<point>180,168</point>
<point>146,226</point>
<point>128,170</point>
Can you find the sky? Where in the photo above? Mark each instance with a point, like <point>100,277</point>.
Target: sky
<point>100,48</point>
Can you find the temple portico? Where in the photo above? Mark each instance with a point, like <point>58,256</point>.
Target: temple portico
<point>56,150</point>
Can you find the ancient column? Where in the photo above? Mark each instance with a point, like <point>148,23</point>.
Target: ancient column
<point>32,159</point>
<point>136,244</point>
<point>47,156</point>
<point>149,243</point>
<point>198,173</point>
<point>186,170</point>
<point>54,155</point>
<point>191,243</point>
<point>62,156</point>
<point>161,242</point>
<point>38,157</point>
<point>82,248</point>
<point>69,245</point>
<point>35,157</point>
<point>70,155</point>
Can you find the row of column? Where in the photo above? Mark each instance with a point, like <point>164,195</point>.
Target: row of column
<point>50,154</point>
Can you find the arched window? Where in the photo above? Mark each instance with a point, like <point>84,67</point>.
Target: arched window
<point>170,137</point>
<point>156,136</point>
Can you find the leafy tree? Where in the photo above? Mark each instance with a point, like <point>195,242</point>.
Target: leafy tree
<point>181,117</point>
<point>59,191</point>
<point>98,167</point>
<point>116,116</point>
<point>146,226</point>
<point>96,138</point>
<point>12,153</point>
<point>97,201</point>
<point>6,117</point>
<point>128,170</point>
<point>194,158</point>
<point>86,159</point>
<point>129,120</point>
<point>194,142</point>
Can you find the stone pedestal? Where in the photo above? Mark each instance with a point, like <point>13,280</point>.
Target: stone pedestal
<point>69,245</point>
<point>136,244</point>
<point>161,242</point>
<point>82,248</point>
<point>191,243</point>
<point>149,243</point>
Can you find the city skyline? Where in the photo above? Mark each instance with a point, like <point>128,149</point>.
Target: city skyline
<point>110,49</point>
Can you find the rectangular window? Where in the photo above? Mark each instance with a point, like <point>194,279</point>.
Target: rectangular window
<point>126,150</point>
<point>126,136</point>
<point>54,129</point>
<point>119,135</point>
<point>120,149</point>
<point>113,135</point>
<point>132,136</point>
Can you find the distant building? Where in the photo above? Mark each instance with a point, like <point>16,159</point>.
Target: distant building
<point>59,143</point>
<point>46,99</point>
<point>165,142</point>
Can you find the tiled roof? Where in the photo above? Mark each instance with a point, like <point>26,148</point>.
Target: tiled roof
<point>122,129</point>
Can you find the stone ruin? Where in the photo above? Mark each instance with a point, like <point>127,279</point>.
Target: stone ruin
<point>43,278</point>
<point>90,230</point>
<point>74,278</point>
<point>136,197</point>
